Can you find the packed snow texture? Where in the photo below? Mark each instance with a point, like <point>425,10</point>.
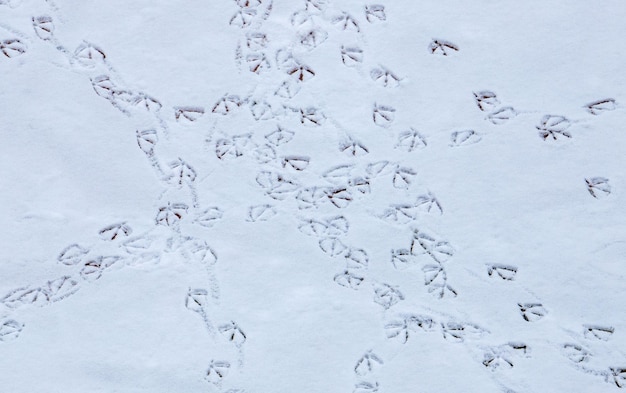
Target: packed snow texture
<point>313,196</point>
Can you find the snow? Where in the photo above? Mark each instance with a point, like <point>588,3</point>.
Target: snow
<point>269,196</point>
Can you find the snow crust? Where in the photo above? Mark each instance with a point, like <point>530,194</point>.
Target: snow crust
<point>316,196</point>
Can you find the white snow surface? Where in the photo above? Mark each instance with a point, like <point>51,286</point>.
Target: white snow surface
<point>312,196</point>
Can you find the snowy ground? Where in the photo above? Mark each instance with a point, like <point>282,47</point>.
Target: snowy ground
<point>316,196</point>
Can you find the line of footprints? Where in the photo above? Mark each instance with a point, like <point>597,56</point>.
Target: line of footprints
<point>279,179</point>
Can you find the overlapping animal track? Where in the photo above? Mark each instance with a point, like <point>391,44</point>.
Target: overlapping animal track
<point>281,178</point>
<point>436,252</point>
